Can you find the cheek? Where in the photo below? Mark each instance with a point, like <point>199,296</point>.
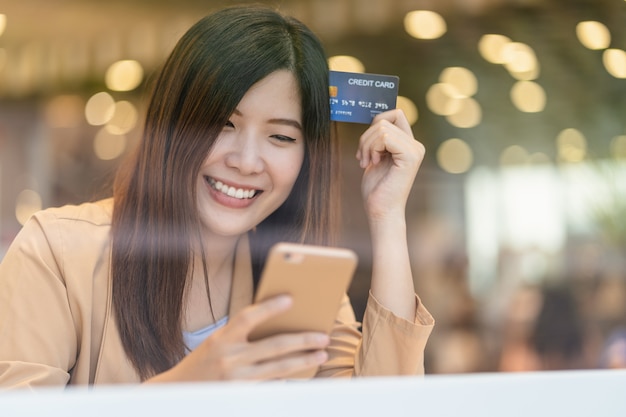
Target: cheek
<point>294,167</point>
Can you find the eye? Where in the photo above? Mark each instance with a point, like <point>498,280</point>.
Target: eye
<point>229,124</point>
<point>283,138</point>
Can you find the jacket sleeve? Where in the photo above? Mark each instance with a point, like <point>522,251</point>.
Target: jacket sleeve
<point>38,340</point>
<point>387,344</point>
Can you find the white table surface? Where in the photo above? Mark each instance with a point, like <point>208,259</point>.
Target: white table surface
<point>565,393</point>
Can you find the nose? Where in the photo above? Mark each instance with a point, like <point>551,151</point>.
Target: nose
<point>245,154</point>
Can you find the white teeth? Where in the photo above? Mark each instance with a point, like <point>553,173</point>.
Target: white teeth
<point>239,193</point>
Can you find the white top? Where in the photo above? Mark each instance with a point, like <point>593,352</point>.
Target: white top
<point>193,339</point>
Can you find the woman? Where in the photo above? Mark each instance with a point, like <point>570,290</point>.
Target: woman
<point>156,284</point>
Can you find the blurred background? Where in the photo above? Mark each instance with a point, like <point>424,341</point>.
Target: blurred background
<point>516,221</point>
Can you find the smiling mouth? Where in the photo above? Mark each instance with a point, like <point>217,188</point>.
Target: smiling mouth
<point>239,193</point>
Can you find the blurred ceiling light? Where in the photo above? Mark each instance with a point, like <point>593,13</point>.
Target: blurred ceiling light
<point>571,145</point>
<point>514,155</point>
<point>125,75</point>
<point>618,147</point>
<point>491,46</point>
<point>28,203</point>
<point>528,96</point>
<point>64,111</point>
<point>99,109</point>
<point>463,80</point>
<point>424,24</point>
<point>443,99</point>
<point>3,23</point>
<point>468,115</point>
<point>124,118</point>
<point>615,62</point>
<point>108,146</point>
<point>345,63</point>
<point>409,108</point>
<point>593,35</point>
<point>455,156</point>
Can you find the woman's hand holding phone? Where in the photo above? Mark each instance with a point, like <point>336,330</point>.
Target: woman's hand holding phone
<point>229,355</point>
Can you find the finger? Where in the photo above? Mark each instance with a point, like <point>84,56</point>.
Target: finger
<point>285,344</point>
<point>285,366</point>
<point>378,140</point>
<point>255,314</point>
<point>396,117</point>
<point>242,362</point>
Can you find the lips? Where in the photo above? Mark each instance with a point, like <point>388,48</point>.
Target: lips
<point>238,193</point>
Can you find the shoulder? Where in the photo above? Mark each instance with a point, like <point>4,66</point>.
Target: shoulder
<point>67,236</point>
<point>88,214</point>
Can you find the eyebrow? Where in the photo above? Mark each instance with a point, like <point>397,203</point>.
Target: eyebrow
<point>278,121</point>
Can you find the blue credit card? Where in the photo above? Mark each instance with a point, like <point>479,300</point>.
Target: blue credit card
<point>358,97</point>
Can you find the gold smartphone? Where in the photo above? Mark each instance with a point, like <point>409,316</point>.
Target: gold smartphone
<point>317,277</point>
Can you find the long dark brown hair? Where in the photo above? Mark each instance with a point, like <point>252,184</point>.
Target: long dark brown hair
<point>155,218</point>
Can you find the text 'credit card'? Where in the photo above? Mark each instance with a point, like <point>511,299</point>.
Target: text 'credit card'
<point>358,98</point>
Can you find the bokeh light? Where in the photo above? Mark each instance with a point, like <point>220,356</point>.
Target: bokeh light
<point>571,145</point>
<point>425,24</point>
<point>528,96</point>
<point>125,75</point>
<point>345,63</point>
<point>455,156</point>
<point>520,61</point>
<point>443,99</point>
<point>108,146</point>
<point>463,80</point>
<point>99,108</point>
<point>409,108</point>
<point>124,118</point>
<point>3,23</point>
<point>491,47</point>
<point>593,35</point>
<point>615,62</point>
<point>618,147</point>
<point>469,114</point>
<point>514,155</point>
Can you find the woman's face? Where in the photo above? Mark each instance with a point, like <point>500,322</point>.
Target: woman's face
<point>256,160</point>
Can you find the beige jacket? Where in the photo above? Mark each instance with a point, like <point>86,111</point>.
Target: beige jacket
<point>57,326</point>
